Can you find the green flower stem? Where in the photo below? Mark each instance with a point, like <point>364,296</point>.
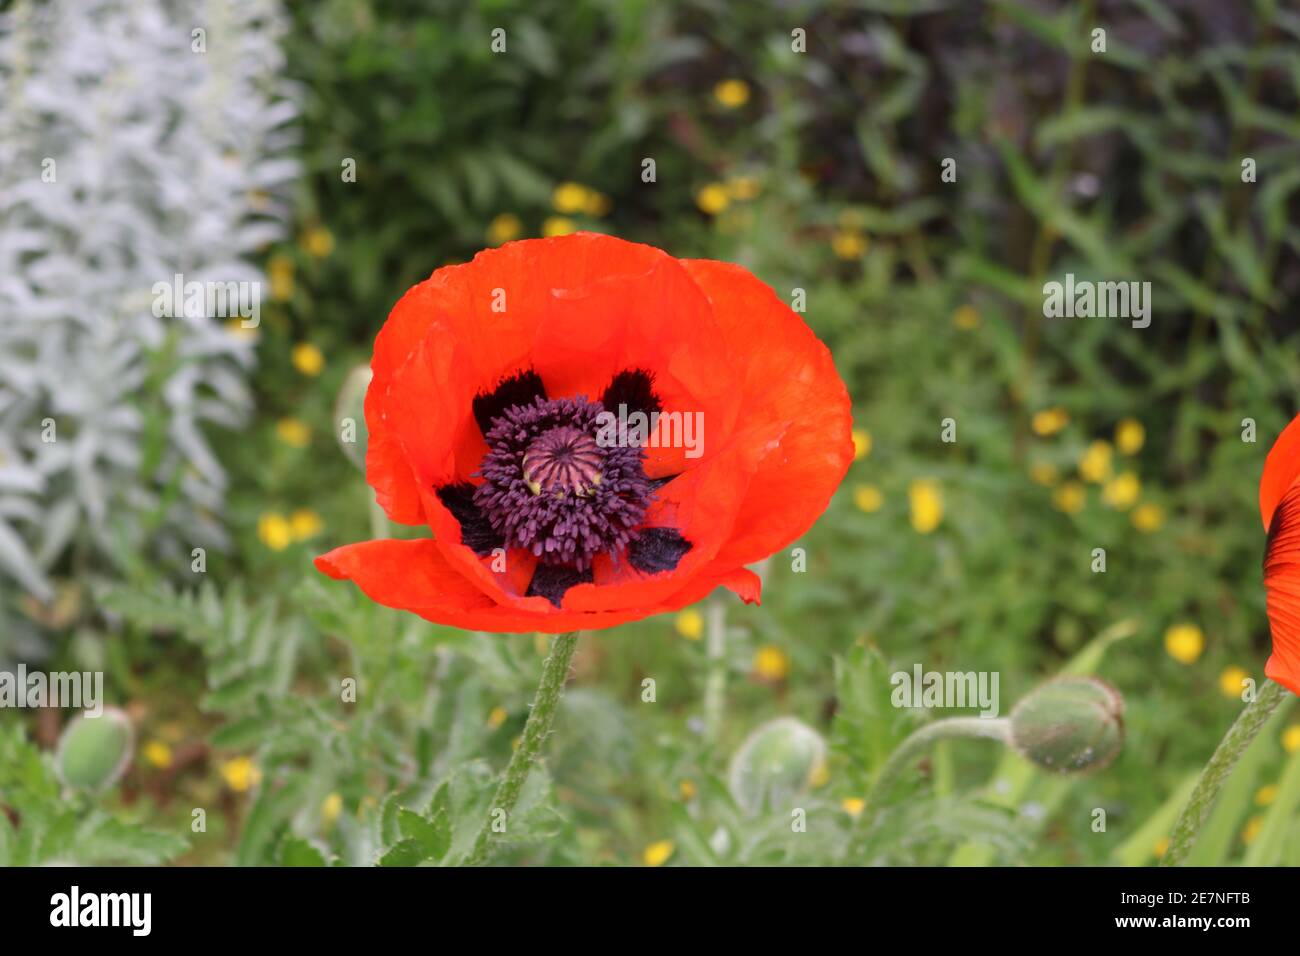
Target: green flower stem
<point>555,671</point>
<point>989,728</point>
<point>1217,771</point>
<point>715,684</point>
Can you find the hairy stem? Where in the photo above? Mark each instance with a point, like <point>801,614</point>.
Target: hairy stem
<point>998,728</point>
<point>1217,771</point>
<point>555,671</point>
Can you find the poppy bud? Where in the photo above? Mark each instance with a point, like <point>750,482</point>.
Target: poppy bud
<point>777,761</point>
<point>94,752</point>
<point>1069,724</point>
<point>350,415</point>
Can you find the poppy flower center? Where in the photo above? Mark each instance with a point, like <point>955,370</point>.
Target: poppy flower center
<point>561,460</point>
<point>551,487</point>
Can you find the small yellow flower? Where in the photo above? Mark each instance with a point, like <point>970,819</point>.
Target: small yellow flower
<point>861,443</point>
<point>849,244</point>
<point>1122,491</point>
<point>868,498</point>
<point>558,226</point>
<point>293,431</point>
<point>158,754</point>
<point>274,531</point>
<point>497,717</point>
<point>1095,464</point>
<point>305,523</point>
<point>1044,473</point>
<point>657,853</point>
<point>308,359</point>
<point>597,204</point>
<point>240,774</point>
<point>237,329</point>
<point>926,500</point>
<point>690,624</point>
<point>1265,795</point>
<point>1069,497</point>
<point>687,789</point>
<point>1147,518</point>
<point>280,271</point>
<point>771,664</point>
<point>1161,847</point>
<point>570,198</point>
<point>742,188</point>
<point>331,807</point>
<point>1184,643</point>
<point>1291,739</point>
<point>1050,421</point>
<point>712,198</point>
<point>504,228</point>
<point>732,94</point>
<point>853,806</point>
<point>1251,830</point>
<point>1232,681</point>
<point>318,242</point>
<point>1130,436</point>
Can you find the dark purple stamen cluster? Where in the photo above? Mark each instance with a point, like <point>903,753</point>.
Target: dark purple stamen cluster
<point>550,487</point>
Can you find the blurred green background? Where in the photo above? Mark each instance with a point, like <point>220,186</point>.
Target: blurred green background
<point>819,171</point>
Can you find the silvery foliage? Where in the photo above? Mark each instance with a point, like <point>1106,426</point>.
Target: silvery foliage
<point>165,160</point>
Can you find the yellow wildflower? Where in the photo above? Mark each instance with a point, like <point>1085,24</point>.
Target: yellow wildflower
<point>1147,518</point>
<point>868,498</point>
<point>1122,491</point>
<point>274,531</point>
<point>771,664</point>
<point>241,774</point>
<point>504,228</point>
<point>558,226</point>
<point>1184,643</point>
<point>1095,464</point>
<point>293,431</point>
<point>690,624</point>
<point>158,754</point>
<point>1050,421</point>
<point>712,198</point>
<point>308,359</point>
<point>926,499</point>
<point>732,94</point>
<point>657,853</point>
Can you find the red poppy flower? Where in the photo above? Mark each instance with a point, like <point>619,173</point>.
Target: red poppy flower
<point>503,414</point>
<point>1279,506</point>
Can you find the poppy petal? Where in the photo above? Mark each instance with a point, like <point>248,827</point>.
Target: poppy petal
<point>792,387</point>
<point>1281,469</point>
<point>415,576</point>
<point>1282,586</point>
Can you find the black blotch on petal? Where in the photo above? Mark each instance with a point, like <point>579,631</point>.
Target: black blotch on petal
<point>552,580</point>
<point>516,390</point>
<point>475,528</point>
<point>634,388</point>
<point>657,549</point>
<point>1281,529</point>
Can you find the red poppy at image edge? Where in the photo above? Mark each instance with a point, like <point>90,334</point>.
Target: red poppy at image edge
<point>1279,506</point>
<point>487,378</point>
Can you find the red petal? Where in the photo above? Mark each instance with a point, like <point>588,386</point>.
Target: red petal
<point>414,576</point>
<point>1281,469</point>
<point>796,409</point>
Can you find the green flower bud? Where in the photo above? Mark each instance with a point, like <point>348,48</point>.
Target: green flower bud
<point>350,416</point>
<point>94,752</point>
<point>777,761</point>
<point>1070,724</point>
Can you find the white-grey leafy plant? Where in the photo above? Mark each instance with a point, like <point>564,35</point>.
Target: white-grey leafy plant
<point>139,139</point>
